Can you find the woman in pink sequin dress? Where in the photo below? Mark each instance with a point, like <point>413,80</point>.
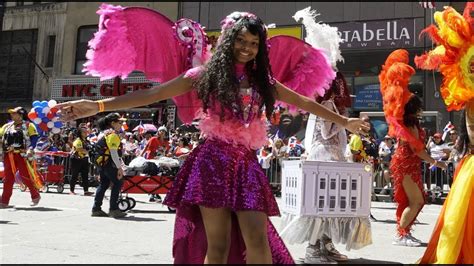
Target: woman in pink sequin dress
<point>222,196</point>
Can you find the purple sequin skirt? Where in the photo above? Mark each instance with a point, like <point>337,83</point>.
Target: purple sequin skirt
<point>216,175</point>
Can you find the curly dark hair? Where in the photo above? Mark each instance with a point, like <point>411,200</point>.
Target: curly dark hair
<point>342,98</point>
<point>413,105</point>
<point>218,82</point>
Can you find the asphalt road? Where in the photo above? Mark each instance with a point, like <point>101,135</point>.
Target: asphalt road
<point>61,230</point>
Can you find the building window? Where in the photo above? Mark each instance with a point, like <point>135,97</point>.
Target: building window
<point>332,203</point>
<point>50,51</point>
<point>321,203</point>
<point>343,202</point>
<point>333,184</point>
<point>84,35</point>
<point>354,184</point>
<point>353,203</point>
<point>322,183</point>
<point>17,48</point>
<point>343,184</point>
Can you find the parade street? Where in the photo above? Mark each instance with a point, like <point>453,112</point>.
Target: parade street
<point>60,230</point>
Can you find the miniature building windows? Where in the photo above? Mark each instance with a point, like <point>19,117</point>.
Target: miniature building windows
<point>333,183</point>
<point>322,183</point>
<point>332,203</point>
<point>354,184</point>
<point>343,184</point>
<point>353,203</point>
<point>321,202</point>
<point>343,202</point>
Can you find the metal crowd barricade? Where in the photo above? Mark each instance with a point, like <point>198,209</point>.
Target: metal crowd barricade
<point>93,172</point>
<point>436,182</point>
<point>67,170</point>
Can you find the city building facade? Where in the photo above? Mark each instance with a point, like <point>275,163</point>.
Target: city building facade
<point>43,45</point>
<point>370,30</point>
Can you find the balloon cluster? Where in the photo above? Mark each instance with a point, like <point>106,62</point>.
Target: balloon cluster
<point>44,116</point>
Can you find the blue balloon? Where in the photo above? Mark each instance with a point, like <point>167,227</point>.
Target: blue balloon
<point>45,119</point>
<point>58,124</point>
<point>36,103</point>
<point>44,103</point>
<point>40,114</point>
<point>38,109</point>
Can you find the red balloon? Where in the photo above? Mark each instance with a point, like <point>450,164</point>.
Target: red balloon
<point>32,115</point>
<point>43,126</point>
<point>50,115</point>
<point>54,110</point>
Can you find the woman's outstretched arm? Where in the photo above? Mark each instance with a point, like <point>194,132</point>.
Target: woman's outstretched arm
<point>83,108</point>
<point>355,125</point>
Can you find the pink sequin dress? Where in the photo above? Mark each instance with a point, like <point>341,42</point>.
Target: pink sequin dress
<point>223,172</point>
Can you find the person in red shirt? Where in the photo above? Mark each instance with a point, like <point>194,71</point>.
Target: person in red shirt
<point>156,145</point>
<point>149,152</point>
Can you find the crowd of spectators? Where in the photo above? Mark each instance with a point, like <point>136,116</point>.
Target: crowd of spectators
<point>286,138</point>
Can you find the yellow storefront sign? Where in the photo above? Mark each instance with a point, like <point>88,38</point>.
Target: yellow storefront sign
<point>294,31</point>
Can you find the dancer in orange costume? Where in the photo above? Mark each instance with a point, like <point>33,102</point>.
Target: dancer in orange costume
<point>402,110</point>
<point>452,240</point>
<point>18,138</point>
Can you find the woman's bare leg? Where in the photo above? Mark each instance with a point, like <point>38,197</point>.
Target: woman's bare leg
<point>415,201</point>
<point>217,223</point>
<point>253,225</point>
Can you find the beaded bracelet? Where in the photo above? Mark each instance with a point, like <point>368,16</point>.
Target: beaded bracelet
<point>101,106</point>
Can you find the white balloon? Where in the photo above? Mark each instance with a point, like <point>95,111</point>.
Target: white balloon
<point>37,120</point>
<point>52,103</point>
<point>50,124</point>
<point>55,119</point>
<point>56,130</point>
<point>46,110</point>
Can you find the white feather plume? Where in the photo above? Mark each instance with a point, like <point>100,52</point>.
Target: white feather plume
<point>321,35</point>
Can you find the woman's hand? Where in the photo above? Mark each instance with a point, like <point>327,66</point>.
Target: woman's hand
<point>77,109</point>
<point>357,126</point>
<point>119,173</point>
<point>440,164</point>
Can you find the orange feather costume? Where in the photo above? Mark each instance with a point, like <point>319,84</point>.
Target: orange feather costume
<point>452,240</point>
<point>394,79</point>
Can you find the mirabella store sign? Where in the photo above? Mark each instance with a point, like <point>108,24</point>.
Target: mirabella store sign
<point>378,34</point>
